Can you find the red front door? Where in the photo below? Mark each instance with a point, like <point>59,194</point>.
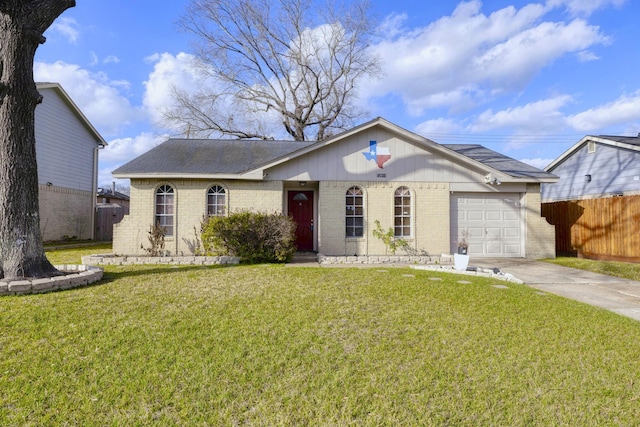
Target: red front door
<point>301,210</point>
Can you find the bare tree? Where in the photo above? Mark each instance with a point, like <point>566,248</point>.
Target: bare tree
<point>22,25</point>
<point>291,62</point>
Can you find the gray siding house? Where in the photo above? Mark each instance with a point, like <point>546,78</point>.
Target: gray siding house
<point>596,166</point>
<point>67,153</point>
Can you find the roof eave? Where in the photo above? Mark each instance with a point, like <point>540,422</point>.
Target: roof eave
<point>160,175</point>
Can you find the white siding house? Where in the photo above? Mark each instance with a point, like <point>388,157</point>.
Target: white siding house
<point>67,153</point>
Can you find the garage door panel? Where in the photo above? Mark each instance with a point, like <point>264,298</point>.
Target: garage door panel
<point>492,222</point>
<point>493,215</point>
<point>475,232</point>
<point>511,232</point>
<point>492,233</point>
<point>475,215</point>
<point>512,250</point>
<point>510,216</point>
<point>494,249</point>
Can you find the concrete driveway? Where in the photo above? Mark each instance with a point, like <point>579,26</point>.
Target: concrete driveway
<point>621,296</point>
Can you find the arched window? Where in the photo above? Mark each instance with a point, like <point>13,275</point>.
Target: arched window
<point>354,213</point>
<point>402,212</point>
<point>164,208</point>
<point>216,201</point>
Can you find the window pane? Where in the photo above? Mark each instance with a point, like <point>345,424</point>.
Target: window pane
<point>402,212</point>
<point>216,201</point>
<point>354,212</point>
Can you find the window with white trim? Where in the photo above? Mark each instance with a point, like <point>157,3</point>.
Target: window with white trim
<point>164,208</point>
<point>354,215</point>
<point>216,201</point>
<point>402,212</point>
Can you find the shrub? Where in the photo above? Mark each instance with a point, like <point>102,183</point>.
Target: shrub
<point>252,236</point>
<point>156,240</point>
<point>391,243</point>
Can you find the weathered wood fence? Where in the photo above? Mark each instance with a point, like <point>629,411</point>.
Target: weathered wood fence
<point>606,228</point>
<point>106,216</point>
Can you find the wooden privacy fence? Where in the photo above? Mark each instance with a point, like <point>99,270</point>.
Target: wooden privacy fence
<point>606,228</point>
<point>106,216</point>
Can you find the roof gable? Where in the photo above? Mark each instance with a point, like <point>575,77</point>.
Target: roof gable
<point>252,159</point>
<point>57,88</point>
<point>622,142</point>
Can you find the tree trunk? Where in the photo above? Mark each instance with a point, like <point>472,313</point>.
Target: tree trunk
<point>22,23</point>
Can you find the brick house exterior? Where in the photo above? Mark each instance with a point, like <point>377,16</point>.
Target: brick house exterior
<point>432,195</point>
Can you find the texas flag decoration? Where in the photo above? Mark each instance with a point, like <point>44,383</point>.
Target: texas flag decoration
<point>380,155</point>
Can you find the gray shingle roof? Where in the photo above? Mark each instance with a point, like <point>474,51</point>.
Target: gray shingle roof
<point>209,156</point>
<point>499,161</point>
<point>631,140</point>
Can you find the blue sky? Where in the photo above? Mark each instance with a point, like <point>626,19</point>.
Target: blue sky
<point>523,78</point>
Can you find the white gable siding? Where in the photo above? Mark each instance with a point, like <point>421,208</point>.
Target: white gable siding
<point>346,162</point>
<point>64,146</point>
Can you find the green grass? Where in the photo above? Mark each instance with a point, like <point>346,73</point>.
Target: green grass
<point>612,268</point>
<point>276,345</point>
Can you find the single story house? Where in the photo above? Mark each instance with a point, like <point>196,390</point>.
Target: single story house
<point>67,147</point>
<point>596,166</point>
<point>430,194</point>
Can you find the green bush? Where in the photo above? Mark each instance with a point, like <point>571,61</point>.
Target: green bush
<point>252,236</point>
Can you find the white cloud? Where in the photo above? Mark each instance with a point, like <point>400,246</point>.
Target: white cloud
<point>111,59</point>
<point>169,72</point>
<point>544,115</point>
<point>584,7</point>
<point>623,110</point>
<point>433,127</point>
<point>465,58</point>
<point>537,163</point>
<point>587,56</point>
<point>98,97</point>
<point>67,27</point>
<point>122,150</point>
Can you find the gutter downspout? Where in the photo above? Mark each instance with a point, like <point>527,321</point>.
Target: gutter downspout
<point>94,187</point>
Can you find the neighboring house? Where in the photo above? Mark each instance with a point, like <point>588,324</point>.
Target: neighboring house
<point>67,153</point>
<point>596,166</point>
<point>111,196</point>
<point>431,195</point>
<point>595,205</point>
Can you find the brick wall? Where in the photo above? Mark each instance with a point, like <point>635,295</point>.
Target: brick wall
<point>190,199</point>
<point>430,217</point>
<point>541,236</point>
<point>65,212</point>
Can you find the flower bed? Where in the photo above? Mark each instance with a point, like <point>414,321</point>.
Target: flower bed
<point>75,276</point>
<point>111,259</point>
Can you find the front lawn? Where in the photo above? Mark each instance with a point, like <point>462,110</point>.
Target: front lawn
<point>276,345</point>
<point>625,270</point>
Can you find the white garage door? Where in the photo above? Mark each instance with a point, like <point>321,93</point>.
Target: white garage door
<point>492,223</point>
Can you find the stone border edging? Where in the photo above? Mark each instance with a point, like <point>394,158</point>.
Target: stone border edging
<point>386,259</point>
<point>480,272</point>
<point>77,275</point>
<point>110,259</point>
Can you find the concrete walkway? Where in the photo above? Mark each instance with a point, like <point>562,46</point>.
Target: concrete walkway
<point>621,296</point>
